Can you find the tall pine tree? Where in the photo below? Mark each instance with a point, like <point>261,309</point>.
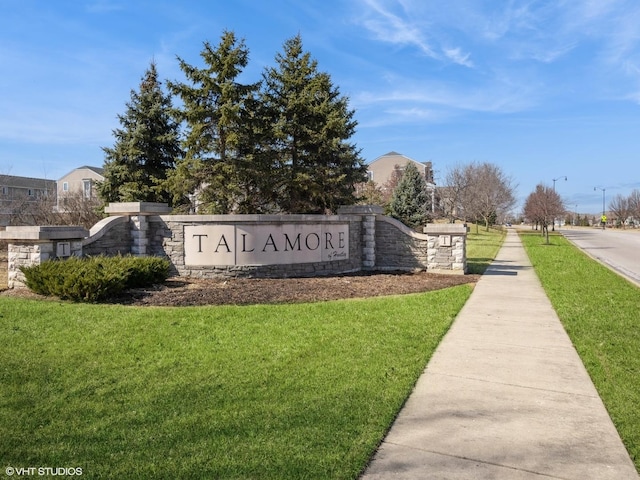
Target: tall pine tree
<point>146,147</point>
<point>218,129</point>
<point>315,167</point>
<point>410,197</point>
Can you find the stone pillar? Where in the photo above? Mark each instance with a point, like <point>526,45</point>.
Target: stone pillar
<point>138,213</point>
<point>368,241</point>
<point>30,246</point>
<point>139,237</point>
<point>446,247</point>
<point>368,214</point>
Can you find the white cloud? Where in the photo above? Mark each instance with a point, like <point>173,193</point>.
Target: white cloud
<point>391,28</point>
<point>409,27</point>
<point>596,9</point>
<point>500,94</point>
<point>456,55</point>
<point>399,116</point>
<point>573,48</point>
<point>413,112</point>
<point>505,20</point>
<point>553,53</point>
<point>632,69</point>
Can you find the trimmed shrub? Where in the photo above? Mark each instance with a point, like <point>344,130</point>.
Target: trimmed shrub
<point>141,271</point>
<point>93,279</point>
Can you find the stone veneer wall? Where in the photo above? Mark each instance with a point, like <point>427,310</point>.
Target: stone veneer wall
<point>166,239</point>
<point>33,245</point>
<point>376,242</point>
<point>446,248</point>
<point>398,247</point>
<point>110,236</point>
<point>24,255</point>
<point>441,249</point>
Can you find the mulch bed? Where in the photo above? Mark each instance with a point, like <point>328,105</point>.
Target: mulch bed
<point>248,291</point>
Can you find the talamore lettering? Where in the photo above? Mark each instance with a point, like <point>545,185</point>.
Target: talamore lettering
<point>265,244</point>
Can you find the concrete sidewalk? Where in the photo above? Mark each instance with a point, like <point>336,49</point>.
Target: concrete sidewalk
<point>505,395</point>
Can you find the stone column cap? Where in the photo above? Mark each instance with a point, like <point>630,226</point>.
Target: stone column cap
<point>46,232</point>
<point>446,228</point>
<point>137,208</point>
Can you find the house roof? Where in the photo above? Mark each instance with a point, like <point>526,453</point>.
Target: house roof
<point>26,182</point>
<point>392,154</point>
<point>98,170</point>
<point>396,154</point>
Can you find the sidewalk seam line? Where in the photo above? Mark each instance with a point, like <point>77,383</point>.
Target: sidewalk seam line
<point>476,460</point>
<point>513,385</point>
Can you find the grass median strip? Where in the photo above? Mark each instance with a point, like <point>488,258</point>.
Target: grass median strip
<point>600,312</point>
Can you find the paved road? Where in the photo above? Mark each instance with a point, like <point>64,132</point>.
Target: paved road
<point>618,249</point>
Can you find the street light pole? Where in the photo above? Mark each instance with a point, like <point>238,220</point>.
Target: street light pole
<point>555,179</point>
<point>603,219</point>
<point>553,228</point>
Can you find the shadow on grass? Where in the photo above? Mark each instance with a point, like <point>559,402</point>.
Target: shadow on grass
<point>478,265</point>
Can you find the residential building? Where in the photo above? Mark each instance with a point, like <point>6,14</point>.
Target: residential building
<point>81,180</point>
<point>17,193</point>
<point>382,168</point>
<point>381,171</point>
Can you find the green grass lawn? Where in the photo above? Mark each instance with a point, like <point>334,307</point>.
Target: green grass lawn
<point>482,248</point>
<point>265,391</point>
<point>601,313</point>
<point>288,391</point>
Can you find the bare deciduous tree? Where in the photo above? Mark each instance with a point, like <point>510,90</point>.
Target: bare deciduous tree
<point>79,210</point>
<point>482,192</point>
<point>620,207</point>
<point>391,184</point>
<point>542,206</point>
<point>73,209</point>
<point>634,205</point>
<point>494,192</point>
<point>458,181</point>
<point>24,210</point>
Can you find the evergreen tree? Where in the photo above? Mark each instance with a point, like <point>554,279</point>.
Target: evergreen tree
<point>255,168</point>
<point>145,149</point>
<point>218,129</point>
<point>315,167</point>
<point>409,199</point>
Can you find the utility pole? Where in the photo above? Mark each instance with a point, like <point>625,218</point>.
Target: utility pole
<point>603,219</point>
<point>553,228</point>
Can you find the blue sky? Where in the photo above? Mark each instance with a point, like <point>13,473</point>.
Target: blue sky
<point>543,89</point>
